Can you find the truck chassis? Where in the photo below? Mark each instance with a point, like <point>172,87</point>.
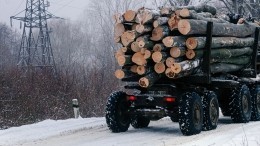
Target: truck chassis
<point>193,101</point>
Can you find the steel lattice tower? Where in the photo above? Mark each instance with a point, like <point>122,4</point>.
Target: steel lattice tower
<point>36,50</point>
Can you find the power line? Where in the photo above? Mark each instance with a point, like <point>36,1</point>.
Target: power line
<point>64,6</point>
<point>16,10</point>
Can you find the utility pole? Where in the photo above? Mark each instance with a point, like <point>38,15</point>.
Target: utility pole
<point>36,50</point>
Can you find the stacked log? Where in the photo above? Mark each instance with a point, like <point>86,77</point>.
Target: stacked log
<point>170,42</point>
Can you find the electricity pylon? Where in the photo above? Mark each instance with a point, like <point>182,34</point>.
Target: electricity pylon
<point>36,50</point>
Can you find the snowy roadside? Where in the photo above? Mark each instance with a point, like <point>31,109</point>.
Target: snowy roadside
<point>93,132</point>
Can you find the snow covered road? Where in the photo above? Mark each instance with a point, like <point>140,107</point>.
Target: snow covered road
<point>94,132</point>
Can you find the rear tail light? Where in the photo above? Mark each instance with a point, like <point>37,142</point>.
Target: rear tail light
<point>169,99</point>
<point>131,98</point>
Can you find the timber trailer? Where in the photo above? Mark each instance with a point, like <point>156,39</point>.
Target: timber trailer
<point>193,101</point>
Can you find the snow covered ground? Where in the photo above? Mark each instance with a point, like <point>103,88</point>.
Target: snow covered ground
<point>94,132</point>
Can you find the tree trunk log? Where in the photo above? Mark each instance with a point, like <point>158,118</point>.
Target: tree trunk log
<point>149,80</point>
<point>129,16</point>
<point>118,53</point>
<point>200,8</point>
<point>147,54</point>
<point>159,48</point>
<point>220,53</point>
<point>124,60</point>
<point>169,73</point>
<point>133,68</point>
<point>146,44</point>
<point>219,42</point>
<point>188,27</point>
<point>135,47</point>
<point>170,61</point>
<point>128,37</point>
<point>178,52</point>
<point>145,16</point>
<point>159,56</point>
<point>166,11</point>
<point>138,58</point>
<point>173,22</point>
<point>160,21</point>
<point>159,67</point>
<point>141,70</point>
<point>224,67</point>
<point>191,14</point>
<point>174,41</point>
<point>123,73</point>
<point>160,32</point>
<point>185,65</point>
<point>143,28</point>
<point>239,60</point>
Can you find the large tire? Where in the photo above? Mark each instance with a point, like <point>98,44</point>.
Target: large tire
<point>240,105</point>
<point>117,116</point>
<point>255,92</point>
<point>190,113</point>
<point>211,111</point>
<point>140,122</point>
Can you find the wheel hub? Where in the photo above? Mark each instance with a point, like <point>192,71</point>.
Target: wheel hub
<point>245,104</point>
<point>196,115</point>
<point>213,112</point>
<point>258,102</point>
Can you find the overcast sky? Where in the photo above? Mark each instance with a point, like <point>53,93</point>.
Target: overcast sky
<point>64,8</point>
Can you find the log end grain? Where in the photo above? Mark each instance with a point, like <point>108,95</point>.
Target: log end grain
<point>134,68</point>
<point>140,70</point>
<point>147,54</point>
<point>139,59</point>
<point>135,47</point>
<point>190,54</point>
<point>139,28</point>
<point>157,57</point>
<point>157,34</point>
<point>168,41</point>
<point>129,15</point>
<point>169,73</point>
<point>119,29</point>
<point>144,82</point>
<point>169,61</point>
<point>191,43</point>
<point>185,13</point>
<point>184,26</point>
<point>157,47</point>
<point>175,52</point>
<point>121,60</point>
<point>172,22</point>
<point>176,68</point>
<point>119,74</point>
<point>155,23</point>
<point>141,43</point>
<point>159,67</point>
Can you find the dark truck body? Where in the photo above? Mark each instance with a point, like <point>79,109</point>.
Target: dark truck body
<point>166,97</point>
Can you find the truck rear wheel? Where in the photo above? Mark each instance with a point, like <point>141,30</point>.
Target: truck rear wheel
<point>140,122</point>
<point>117,116</point>
<point>211,111</point>
<point>255,104</point>
<point>241,105</point>
<point>190,113</point>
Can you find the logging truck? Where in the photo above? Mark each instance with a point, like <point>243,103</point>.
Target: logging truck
<point>191,91</point>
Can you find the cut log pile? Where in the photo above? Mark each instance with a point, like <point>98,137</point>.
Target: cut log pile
<point>171,42</point>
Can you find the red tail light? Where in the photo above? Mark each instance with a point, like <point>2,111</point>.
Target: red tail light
<point>169,99</point>
<point>131,98</point>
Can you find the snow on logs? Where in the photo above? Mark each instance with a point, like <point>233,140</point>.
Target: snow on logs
<point>170,43</point>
